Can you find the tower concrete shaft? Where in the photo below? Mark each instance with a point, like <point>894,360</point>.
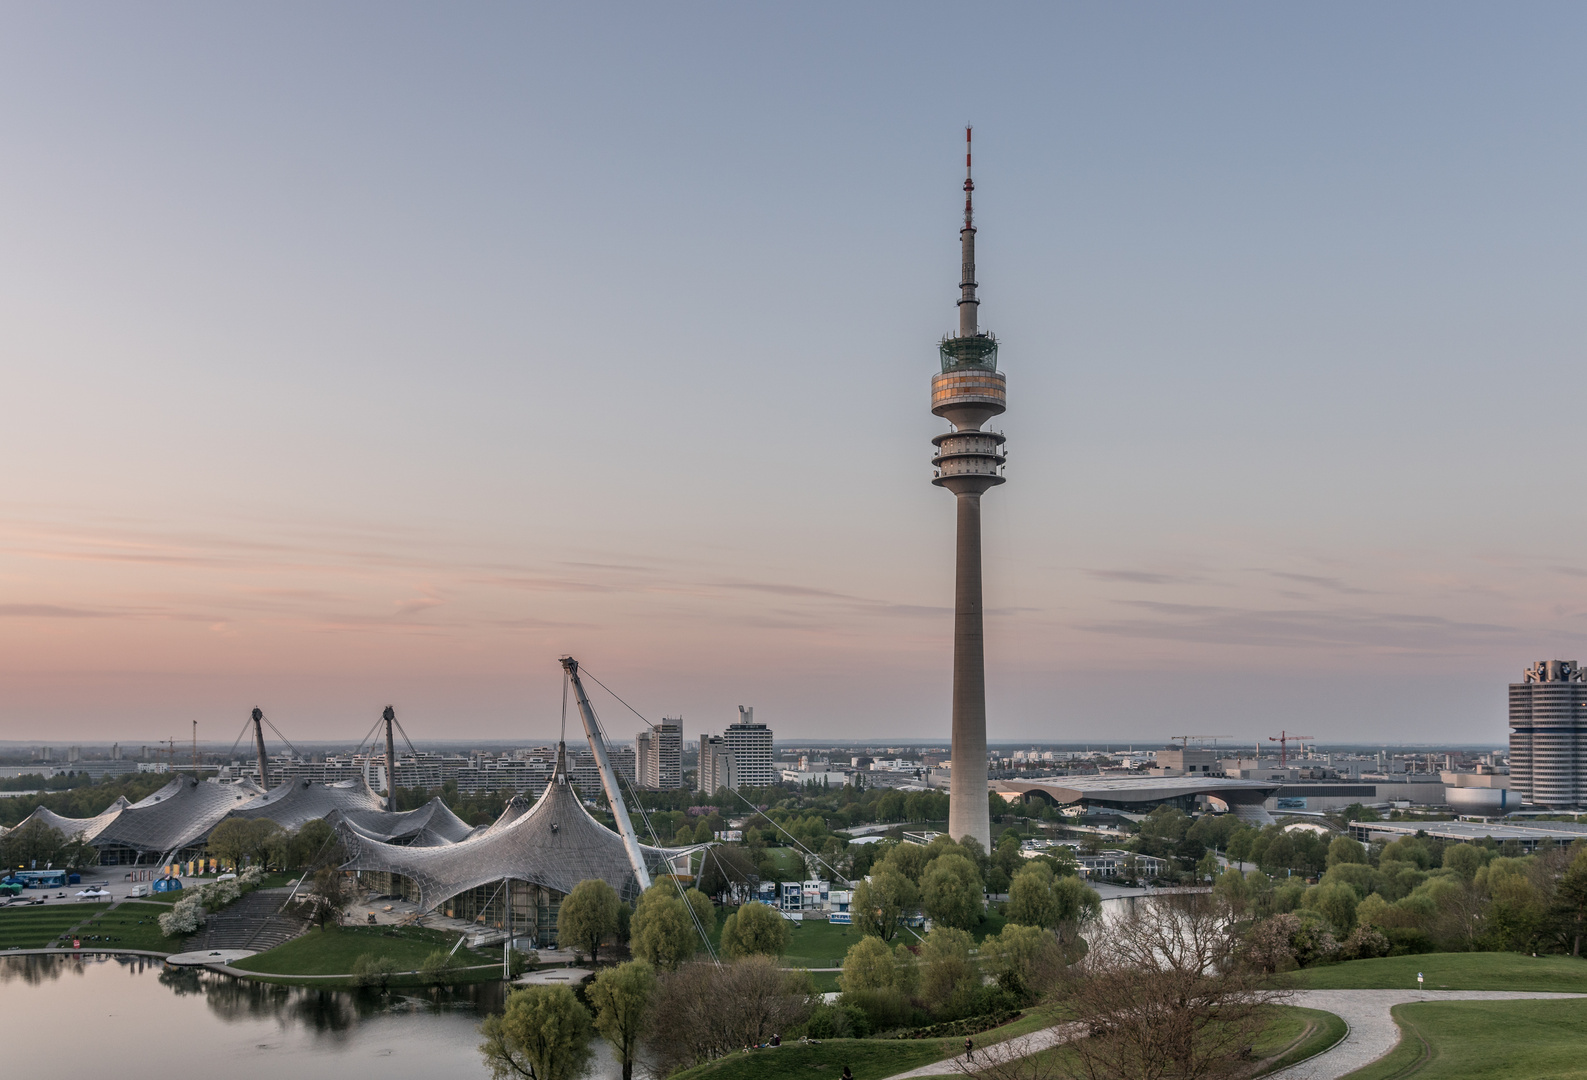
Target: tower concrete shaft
<point>967,392</point>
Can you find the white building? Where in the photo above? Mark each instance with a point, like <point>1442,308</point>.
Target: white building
<point>717,766</point>
<point>658,756</point>
<point>751,746</point>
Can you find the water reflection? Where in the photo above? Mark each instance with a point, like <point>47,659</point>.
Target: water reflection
<point>133,1002</point>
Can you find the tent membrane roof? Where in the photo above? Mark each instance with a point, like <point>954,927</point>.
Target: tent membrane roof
<point>555,844</point>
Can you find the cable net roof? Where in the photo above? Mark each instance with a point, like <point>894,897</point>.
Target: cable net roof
<point>180,815</point>
<point>431,825</point>
<point>88,827</point>
<point>517,807</point>
<point>555,844</point>
<point>295,802</point>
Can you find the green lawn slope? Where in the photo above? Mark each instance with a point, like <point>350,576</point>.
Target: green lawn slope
<point>1449,971</point>
<point>1501,1040</point>
<point>334,951</point>
<point>130,925</point>
<point>33,927</point>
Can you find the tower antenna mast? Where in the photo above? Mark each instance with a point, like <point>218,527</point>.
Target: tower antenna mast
<point>967,392</point>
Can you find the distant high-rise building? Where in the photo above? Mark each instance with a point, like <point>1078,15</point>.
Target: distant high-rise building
<point>752,754</point>
<point>658,756</point>
<point>1548,737</point>
<point>717,769</point>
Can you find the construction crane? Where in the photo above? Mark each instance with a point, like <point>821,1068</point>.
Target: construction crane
<point>1284,739</point>
<point>1184,740</point>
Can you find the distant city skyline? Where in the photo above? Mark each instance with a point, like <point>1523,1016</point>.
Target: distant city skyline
<point>383,354</point>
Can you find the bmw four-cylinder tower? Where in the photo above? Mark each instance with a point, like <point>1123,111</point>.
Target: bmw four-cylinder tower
<point>967,392</point>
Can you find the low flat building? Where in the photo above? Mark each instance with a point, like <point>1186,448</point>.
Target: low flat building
<point>1470,832</point>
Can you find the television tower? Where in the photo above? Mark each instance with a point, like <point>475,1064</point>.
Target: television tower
<point>967,392</point>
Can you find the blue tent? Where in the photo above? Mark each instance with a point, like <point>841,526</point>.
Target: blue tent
<point>166,884</point>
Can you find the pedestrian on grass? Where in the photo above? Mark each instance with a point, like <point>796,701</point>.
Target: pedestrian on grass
<point>969,1048</point>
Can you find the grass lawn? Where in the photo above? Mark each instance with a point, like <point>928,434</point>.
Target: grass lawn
<point>38,927</point>
<point>870,1059</point>
<point>1526,1040</point>
<point>1449,971</point>
<point>132,925</point>
<point>333,952</point>
<point>1295,1034</point>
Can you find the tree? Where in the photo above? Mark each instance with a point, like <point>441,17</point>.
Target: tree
<point>950,891</point>
<point>440,968</point>
<point>1465,859</point>
<point>661,931</point>
<point>868,965</point>
<point>1345,850</point>
<point>754,929</point>
<point>704,911</point>
<point>330,897</point>
<point>30,844</point>
<point>1570,898</point>
<point>1025,960</point>
<point>542,1034</point>
<point>1163,992</point>
<point>879,903</point>
<point>948,979</point>
<point>621,996</point>
<point>1336,902</point>
<point>237,840</point>
<point>1078,905</point>
<point>703,1011</point>
<point>588,916</point>
<point>1030,898</point>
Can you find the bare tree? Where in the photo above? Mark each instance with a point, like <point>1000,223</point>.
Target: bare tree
<point>702,1011</point>
<point>1163,994</point>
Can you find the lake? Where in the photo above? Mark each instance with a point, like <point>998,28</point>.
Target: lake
<point>133,1017</point>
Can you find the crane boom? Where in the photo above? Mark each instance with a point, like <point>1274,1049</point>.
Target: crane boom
<point>592,731</point>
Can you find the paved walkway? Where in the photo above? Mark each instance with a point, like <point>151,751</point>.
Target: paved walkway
<point>1373,1031</point>
<point>1019,1046</point>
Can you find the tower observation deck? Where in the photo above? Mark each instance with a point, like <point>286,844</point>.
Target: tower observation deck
<point>967,392</point>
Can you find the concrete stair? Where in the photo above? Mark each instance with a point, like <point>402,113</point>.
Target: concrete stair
<point>253,922</point>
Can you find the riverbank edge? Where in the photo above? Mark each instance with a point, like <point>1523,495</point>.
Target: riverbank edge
<point>349,978</point>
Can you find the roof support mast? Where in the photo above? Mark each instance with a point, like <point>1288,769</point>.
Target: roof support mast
<point>592,731</point>
<point>389,716</point>
<point>258,742</point>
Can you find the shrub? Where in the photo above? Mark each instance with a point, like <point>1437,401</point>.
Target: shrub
<point>372,970</point>
<point>185,917</point>
<point>440,968</point>
<point>1364,943</point>
<point>838,1021</point>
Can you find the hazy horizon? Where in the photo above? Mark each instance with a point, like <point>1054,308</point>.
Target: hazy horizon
<point>384,353</point>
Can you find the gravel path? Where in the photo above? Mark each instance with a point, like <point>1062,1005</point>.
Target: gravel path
<point>1373,1031</point>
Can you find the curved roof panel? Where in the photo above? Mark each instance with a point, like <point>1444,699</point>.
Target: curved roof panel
<point>555,844</point>
<point>296,802</point>
<point>177,816</point>
<point>431,825</point>
<point>89,828</point>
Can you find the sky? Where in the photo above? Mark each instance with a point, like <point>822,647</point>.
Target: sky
<point>359,354</point>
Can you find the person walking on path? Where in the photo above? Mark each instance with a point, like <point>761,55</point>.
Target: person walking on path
<point>969,1048</point>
